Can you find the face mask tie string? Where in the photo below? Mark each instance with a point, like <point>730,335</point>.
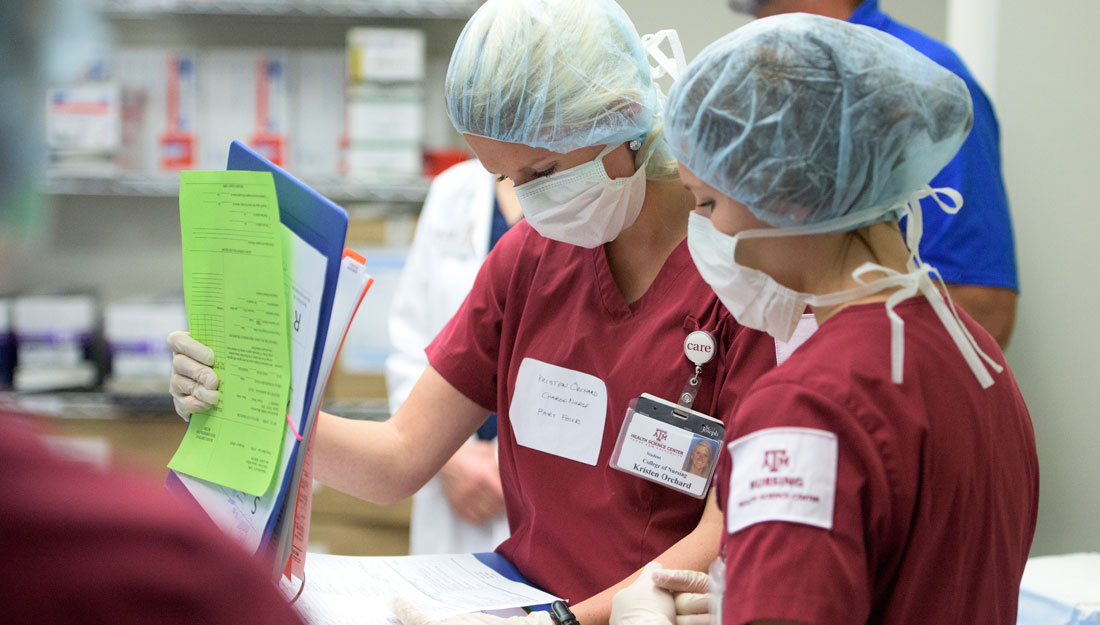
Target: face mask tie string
<point>914,221</point>
<point>666,66</point>
<point>920,278</point>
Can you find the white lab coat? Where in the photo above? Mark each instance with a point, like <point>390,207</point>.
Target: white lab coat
<point>451,241</point>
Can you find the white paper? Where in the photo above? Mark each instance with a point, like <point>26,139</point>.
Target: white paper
<point>559,411</point>
<point>349,590</point>
<point>350,284</point>
<point>1061,589</point>
<point>238,514</point>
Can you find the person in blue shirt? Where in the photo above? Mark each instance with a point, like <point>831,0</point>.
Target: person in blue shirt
<point>973,249</point>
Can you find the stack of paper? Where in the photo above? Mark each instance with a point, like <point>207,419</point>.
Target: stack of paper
<point>270,289</point>
<point>347,590</point>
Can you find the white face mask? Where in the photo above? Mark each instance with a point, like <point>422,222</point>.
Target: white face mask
<point>583,205</point>
<point>758,301</point>
<point>754,298</point>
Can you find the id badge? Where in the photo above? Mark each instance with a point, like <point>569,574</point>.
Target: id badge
<point>669,444</point>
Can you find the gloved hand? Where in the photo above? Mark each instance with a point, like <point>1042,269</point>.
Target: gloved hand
<point>407,614</point>
<point>471,483</point>
<point>194,384</point>
<point>691,591</point>
<point>643,603</point>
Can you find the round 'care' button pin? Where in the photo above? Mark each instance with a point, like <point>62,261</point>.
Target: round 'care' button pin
<point>699,347</point>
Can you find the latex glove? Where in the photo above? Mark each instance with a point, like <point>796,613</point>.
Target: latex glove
<point>642,602</point>
<point>194,384</point>
<point>407,614</point>
<point>691,590</point>
<point>471,483</point>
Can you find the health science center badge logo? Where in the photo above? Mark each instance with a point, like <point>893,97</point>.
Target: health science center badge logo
<point>775,461</point>
<point>658,442</point>
<point>782,474</point>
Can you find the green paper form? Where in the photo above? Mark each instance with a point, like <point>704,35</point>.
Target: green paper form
<point>236,297</point>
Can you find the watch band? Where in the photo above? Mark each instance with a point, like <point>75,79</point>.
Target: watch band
<point>561,614</point>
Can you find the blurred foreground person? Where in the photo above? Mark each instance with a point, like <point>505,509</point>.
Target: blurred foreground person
<point>82,546</point>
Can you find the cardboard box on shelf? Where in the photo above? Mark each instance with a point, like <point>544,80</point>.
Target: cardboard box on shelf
<point>58,342</point>
<point>243,96</point>
<point>134,331</point>
<point>385,128</point>
<point>393,115</point>
<point>317,112</point>
<point>385,55</point>
<point>166,137</point>
<point>383,162</point>
<point>84,127</point>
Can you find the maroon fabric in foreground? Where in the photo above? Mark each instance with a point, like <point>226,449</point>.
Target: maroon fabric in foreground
<point>81,546</point>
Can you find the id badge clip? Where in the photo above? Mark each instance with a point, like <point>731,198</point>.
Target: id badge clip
<point>669,444</point>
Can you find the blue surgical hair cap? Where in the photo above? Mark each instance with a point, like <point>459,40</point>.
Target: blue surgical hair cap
<point>806,119</point>
<point>555,74</point>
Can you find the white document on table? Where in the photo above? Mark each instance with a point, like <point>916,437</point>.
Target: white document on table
<point>240,515</point>
<point>351,590</point>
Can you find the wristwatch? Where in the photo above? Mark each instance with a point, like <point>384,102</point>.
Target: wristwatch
<point>561,614</point>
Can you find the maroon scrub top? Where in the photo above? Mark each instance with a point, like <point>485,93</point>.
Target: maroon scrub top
<point>577,528</point>
<point>936,490</point>
<point>81,546</point>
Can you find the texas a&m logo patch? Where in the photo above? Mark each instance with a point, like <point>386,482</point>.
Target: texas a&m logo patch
<point>782,474</point>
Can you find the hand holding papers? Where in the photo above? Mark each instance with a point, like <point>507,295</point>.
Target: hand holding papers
<point>310,230</point>
<point>236,305</point>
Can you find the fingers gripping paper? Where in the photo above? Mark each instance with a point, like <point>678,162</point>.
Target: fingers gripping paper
<point>236,302</point>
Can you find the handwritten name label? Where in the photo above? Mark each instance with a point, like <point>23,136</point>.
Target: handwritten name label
<point>559,411</point>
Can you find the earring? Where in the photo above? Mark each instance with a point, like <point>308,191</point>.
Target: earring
<point>634,145</point>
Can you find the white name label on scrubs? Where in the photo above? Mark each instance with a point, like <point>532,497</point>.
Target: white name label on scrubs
<point>559,411</point>
<point>782,474</point>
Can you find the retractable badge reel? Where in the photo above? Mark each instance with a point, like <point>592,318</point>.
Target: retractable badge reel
<point>672,444</point>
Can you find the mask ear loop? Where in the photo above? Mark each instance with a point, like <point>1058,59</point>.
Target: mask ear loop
<point>666,66</point>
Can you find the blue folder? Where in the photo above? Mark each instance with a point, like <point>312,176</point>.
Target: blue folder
<point>501,565</point>
<point>323,225</point>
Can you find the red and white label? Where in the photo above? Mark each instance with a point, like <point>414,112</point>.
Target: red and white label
<point>782,474</point>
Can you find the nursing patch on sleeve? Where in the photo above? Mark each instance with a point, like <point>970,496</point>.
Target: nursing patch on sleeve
<point>782,474</point>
